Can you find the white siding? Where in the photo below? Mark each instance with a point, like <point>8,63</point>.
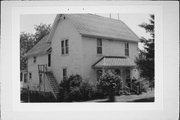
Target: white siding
<point>72,61</point>
<point>109,48</point>
<point>33,69</point>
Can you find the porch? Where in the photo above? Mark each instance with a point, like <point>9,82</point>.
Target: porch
<point>122,66</point>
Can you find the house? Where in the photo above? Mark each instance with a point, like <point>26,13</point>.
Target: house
<point>83,44</point>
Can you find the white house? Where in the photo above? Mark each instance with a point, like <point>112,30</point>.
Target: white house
<point>83,44</point>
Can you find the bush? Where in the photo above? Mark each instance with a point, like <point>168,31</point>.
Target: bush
<point>75,89</point>
<point>109,84</point>
<point>37,96</point>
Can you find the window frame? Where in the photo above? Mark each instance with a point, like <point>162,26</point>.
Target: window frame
<point>99,46</point>
<point>34,59</point>
<point>65,47</point>
<point>64,74</point>
<point>49,60</point>
<point>126,49</point>
<point>62,47</point>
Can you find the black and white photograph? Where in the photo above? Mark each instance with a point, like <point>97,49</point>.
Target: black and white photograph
<point>87,58</point>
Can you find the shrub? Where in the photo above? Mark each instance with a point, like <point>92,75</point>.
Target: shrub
<point>75,89</point>
<point>109,84</point>
<point>36,96</point>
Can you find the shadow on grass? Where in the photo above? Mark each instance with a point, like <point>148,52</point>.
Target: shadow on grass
<point>151,99</point>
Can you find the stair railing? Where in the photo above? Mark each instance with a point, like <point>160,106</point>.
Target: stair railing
<point>126,89</point>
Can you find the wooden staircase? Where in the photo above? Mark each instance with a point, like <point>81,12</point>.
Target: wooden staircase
<point>133,89</point>
<point>50,79</point>
<point>53,83</point>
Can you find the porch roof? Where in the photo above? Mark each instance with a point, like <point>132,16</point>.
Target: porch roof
<point>114,61</point>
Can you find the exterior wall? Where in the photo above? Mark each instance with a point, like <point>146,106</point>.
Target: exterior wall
<point>72,61</point>
<point>109,48</point>
<point>33,69</point>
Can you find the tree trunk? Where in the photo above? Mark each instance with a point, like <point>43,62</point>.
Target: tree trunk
<point>111,97</point>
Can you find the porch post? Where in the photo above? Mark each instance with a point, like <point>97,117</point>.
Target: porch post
<point>122,77</point>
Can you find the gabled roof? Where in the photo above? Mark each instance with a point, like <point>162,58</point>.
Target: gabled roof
<point>41,48</point>
<point>87,25</point>
<point>98,26</point>
<point>114,61</point>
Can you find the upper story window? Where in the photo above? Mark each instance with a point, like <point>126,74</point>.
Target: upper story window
<point>99,46</point>
<point>64,47</point>
<point>126,49</point>
<point>34,59</point>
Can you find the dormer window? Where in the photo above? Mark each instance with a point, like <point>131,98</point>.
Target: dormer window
<point>99,46</point>
<point>126,49</point>
<point>34,59</point>
<point>64,47</point>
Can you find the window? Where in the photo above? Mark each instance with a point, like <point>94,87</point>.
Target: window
<point>126,49</point>
<point>30,75</point>
<point>25,77</point>
<point>40,78</point>
<point>64,47</point>
<point>99,46</point>
<point>49,60</point>
<point>64,73</point>
<point>99,73</point>
<point>34,59</point>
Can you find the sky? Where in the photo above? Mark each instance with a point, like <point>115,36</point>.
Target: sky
<point>27,22</point>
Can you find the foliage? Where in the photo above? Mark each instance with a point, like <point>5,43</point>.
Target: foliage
<point>28,40</point>
<point>74,89</point>
<point>145,61</point>
<point>36,96</point>
<point>109,83</point>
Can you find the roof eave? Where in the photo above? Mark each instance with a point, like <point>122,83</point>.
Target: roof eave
<point>105,37</point>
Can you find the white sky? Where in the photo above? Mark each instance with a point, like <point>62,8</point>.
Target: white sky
<point>27,22</point>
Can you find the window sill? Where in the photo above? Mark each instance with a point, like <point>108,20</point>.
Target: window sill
<point>99,54</point>
<point>65,55</point>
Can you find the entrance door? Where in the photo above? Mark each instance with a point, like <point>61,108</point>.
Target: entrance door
<point>127,77</point>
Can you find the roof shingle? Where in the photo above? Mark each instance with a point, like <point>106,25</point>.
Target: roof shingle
<point>110,61</point>
<point>94,25</point>
<point>90,25</point>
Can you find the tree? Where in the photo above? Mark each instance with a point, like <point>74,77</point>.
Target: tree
<point>28,40</point>
<point>26,43</point>
<point>109,83</point>
<point>145,61</point>
<point>41,31</point>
